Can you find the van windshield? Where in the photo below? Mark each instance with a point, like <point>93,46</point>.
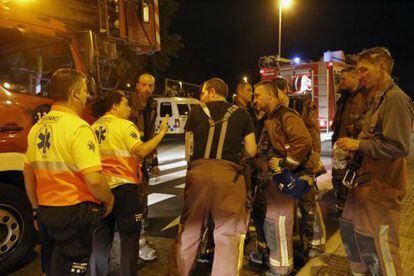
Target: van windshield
<point>183,109</point>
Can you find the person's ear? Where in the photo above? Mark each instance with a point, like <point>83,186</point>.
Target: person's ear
<point>212,92</point>
<point>383,67</point>
<point>73,94</point>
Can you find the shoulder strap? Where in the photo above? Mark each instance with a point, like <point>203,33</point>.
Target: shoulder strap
<point>225,119</point>
<point>210,131</point>
<point>213,124</point>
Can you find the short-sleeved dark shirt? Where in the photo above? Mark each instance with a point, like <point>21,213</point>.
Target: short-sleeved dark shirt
<point>239,125</point>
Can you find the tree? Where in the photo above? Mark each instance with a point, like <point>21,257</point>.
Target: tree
<point>124,70</point>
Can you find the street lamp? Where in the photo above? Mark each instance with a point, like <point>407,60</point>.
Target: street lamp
<point>282,5</point>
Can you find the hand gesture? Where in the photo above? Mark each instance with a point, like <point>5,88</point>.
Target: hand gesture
<point>164,124</point>
<point>155,172</point>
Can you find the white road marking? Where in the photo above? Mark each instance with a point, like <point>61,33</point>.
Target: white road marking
<point>172,165</point>
<point>181,186</point>
<point>157,197</point>
<point>168,177</point>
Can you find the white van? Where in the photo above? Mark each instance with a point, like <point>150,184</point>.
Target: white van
<point>178,108</point>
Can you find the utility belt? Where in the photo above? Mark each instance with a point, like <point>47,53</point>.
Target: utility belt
<point>352,179</point>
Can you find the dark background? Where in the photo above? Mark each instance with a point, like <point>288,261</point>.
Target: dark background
<point>226,38</point>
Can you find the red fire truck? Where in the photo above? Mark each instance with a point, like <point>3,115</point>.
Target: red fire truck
<point>317,80</point>
<point>36,38</point>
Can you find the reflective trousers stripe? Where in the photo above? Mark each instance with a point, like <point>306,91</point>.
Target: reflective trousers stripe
<point>274,262</point>
<point>241,250</point>
<point>283,243</point>
<point>385,250</point>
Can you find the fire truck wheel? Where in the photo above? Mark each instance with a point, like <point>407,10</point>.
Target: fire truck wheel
<point>17,233</point>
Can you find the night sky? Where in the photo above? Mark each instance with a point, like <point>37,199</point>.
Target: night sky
<point>226,38</point>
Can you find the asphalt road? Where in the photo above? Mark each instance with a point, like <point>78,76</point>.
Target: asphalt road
<point>166,202</point>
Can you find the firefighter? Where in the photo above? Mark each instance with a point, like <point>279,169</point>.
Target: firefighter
<point>369,225</point>
<point>312,223</point>
<point>243,99</point>
<point>144,114</point>
<point>63,178</point>
<point>214,186</point>
<point>288,137</point>
<point>120,145</point>
<point>350,109</point>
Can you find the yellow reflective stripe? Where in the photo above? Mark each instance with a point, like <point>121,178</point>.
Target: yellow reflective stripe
<point>292,161</point>
<point>274,262</point>
<point>262,245</point>
<point>241,250</point>
<point>283,243</point>
<point>116,152</point>
<point>53,166</point>
<point>385,250</point>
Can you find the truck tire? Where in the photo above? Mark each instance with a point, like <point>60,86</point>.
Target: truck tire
<point>17,233</point>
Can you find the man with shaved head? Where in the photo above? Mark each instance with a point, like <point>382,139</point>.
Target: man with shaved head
<point>144,114</point>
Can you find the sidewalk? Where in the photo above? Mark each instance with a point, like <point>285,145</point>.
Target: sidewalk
<point>334,261</point>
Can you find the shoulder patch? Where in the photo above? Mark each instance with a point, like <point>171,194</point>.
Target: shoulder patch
<point>133,135</point>
<point>91,146</point>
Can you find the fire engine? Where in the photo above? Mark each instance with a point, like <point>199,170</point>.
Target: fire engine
<point>37,37</point>
<point>317,80</point>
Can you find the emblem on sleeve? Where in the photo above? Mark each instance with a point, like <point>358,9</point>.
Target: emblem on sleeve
<point>100,134</point>
<point>91,146</point>
<point>133,135</point>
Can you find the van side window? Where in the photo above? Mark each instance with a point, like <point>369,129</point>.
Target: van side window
<point>183,109</point>
<point>165,108</point>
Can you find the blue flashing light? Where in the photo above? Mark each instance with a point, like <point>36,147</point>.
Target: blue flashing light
<point>296,60</point>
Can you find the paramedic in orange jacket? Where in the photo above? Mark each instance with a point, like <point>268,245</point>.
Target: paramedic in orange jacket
<point>63,178</point>
<point>214,185</point>
<point>120,146</point>
<point>370,222</point>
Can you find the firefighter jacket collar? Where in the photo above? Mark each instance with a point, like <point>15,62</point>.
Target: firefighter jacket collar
<point>378,95</point>
<point>278,106</point>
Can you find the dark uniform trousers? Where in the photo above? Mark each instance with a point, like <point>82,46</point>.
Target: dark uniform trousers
<point>66,236</point>
<point>340,190</point>
<point>213,188</point>
<point>127,214</point>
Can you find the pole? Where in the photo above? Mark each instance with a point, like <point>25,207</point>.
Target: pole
<point>280,32</point>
